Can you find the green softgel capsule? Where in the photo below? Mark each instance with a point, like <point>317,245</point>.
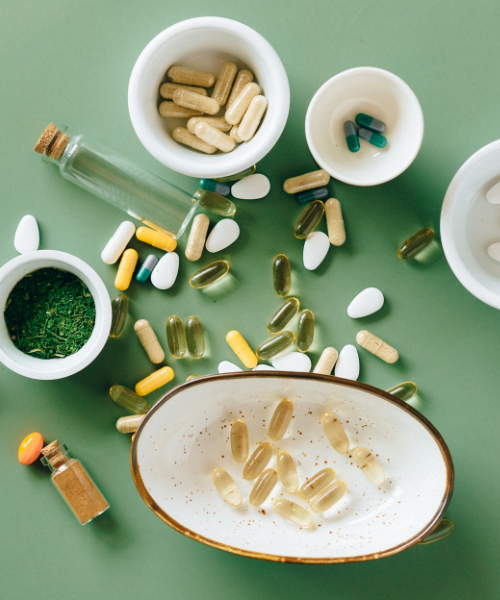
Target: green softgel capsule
<point>416,243</point>
<point>370,123</point>
<point>129,399</point>
<point>220,205</point>
<point>274,345</point>
<point>119,311</point>
<point>404,391</point>
<point>176,337</point>
<point>195,337</point>
<point>372,138</point>
<point>146,268</point>
<point>309,219</point>
<point>351,136</point>
<point>214,186</point>
<point>209,274</point>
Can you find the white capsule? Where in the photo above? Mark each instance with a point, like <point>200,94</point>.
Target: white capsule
<point>366,303</point>
<point>252,187</point>
<point>292,361</point>
<point>264,368</point>
<point>348,363</point>
<point>493,194</point>
<point>222,235</point>
<point>117,244</point>
<point>165,273</point>
<point>27,237</point>
<point>228,367</point>
<point>316,248</point>
<point>494,251</point>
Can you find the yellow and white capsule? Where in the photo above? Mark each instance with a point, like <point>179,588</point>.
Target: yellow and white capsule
<point>196,102</point>
<point>335,432</point>
<point>227,487</point>
<point>214,136</point>
<point>258,461</point>
<point>235,112</point>
<point>280,420</point>
<point>252,118</point>
<point>287,471</point>
<point>244,76</point>
<point>328,496</point>
<point>291,511</point>
<point>154,381</point>
<point>190,76</point>
<point>239,441</point>
<point>197,237</point>
<point>308,181</point>
<point>224,82</point>
<point>376,346</point>
<point>263,487</point>
<point>149,341</point>
<point>126,269</point>
<point>319,481</point>
<point>241,348</point>
<point>183,136</point>
<point>369,465</point>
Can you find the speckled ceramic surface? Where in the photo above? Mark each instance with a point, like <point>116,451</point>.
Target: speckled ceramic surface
<point>186,435</point>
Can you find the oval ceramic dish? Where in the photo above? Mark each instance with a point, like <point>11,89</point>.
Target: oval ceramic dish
<point>186,435</point>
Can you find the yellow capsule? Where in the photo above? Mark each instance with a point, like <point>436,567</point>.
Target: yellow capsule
<point>285,313</point>
<point>224,82</point>
<point>217,122</point>
<point>192,377</point>
<point>154,381</point>
<point>129,424</point>
<point>244,76</point>
<point>280,420</point>
<point>282,275</point>
<point>328,496</point>
<point>257,461</point>
<point>209,274</point>
<point>241,348</point>
<point>183,136</point>
<point>196,102</point>
<point>287,471</point>
<point>234,134</point>
<point>176,337</point>
<point>167,89</point>
<point>334,222</point>
<point>376,346</point>
<point>157,239</point>
<point>318,482</point>
<point>305,330</point>
<point>326,361</point>
<point>126,269</point>
<point>149,341</point>
<point>263,487</point>
<point>291,511</point>
<point>404,391</point>
<point>236,176</point>
<point>444,529</point>
<point>369,465</point>
<point>220,205</point>
<point>416,243</point>
<point>190,76</point>
<point>214,136</point>
<point>170,109</point>
<point>197,237</point>
<point>239,441</point>
<point>195,337</point>
<point>335,432</point>
<point>252,118</point>
<point>309,219</point>
<point>238,107</point>
<point>275,345</point>
<point>227,487</point>
<point>309,181</point>
<point>133,437</point>
<point>129,399</point>
<point>119,310</point>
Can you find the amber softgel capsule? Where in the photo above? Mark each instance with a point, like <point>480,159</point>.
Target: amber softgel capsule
<point>369,465</point>
<point>291,511</point>
<point>315,484</point>
<point>258,461</point>
<point>335,432</point>
<point>227,487</point>
<point>280,420</point>
<point>239,440</point>
<point>287,471</point>
<point>176,337</point>
<point>328,496</point>
<point>195,337</point>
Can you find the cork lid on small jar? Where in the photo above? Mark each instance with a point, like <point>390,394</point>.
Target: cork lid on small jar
<point>52,142</point>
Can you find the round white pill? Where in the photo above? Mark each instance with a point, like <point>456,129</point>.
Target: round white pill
<point>165,272</point>
<point>223,235</point>
<point>264,368</point>
<point>316,248</point>
<point>252,187</point>
<point>366,303</point>
<point>228,367</point>
<point>494,251</point>
<point>292,361</point>
<point>493,194</point>
<point>27,237</point>
<point>118,242</point>
<point>348,363</point>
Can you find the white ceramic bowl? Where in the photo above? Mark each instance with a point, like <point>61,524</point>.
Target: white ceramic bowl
<point>379,94</point>
<point>469,224</point>
<point>186,435</point>
<point>54,368</point>
<point>206,43</point>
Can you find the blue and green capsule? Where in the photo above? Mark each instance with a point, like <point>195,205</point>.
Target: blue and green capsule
<point>147,266</point>
<point>351,137</point>
<point>214,186</point>
<point>372,138</point>
<point>370,123</point>
<point>310,195</point>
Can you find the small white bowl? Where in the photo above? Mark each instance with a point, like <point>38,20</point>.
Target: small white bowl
<point>206,43</point>
<point>469,224</point>
<point>54,368</point>
<point>379,94</point>
<point>186,435</point>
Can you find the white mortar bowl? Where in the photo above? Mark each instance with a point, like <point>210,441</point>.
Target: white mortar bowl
<point>54,368</point>
<point>206,43</point>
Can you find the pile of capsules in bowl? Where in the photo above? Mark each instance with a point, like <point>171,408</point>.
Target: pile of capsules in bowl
<point>186,96</point>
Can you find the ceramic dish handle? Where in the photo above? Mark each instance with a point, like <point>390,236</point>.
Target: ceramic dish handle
<point>444,529</point>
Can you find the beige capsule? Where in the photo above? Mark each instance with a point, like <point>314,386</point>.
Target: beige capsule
<point>129,424</point>
<point>334,222</point>
<point>235,112</point>
<point>328,496</point>
<point>167,89</point>
<point>263,487</point>
<point>227,487</point>
<point>239,441</point>
<point>149,341</point>
<point>335,432</point>
<point>224,82</point>
<point>234,134</point>
<point>190,76</point>
<point>217,122</point>
<point>280,420</point>
<point>376,346</point>
<point>213,136</point>
<point>308,181</point>
<point>244,76</point>
<point>252,118</point>
<point>291,511</point>
<point>315,484</point>
<point>183,136</point>
<point>257,461</point>
<point>196,102</point>
<point>369,465</point>
<point>168,109</point>
<point>197,237</point>
<point>287,471</point>
<point>326,361</point>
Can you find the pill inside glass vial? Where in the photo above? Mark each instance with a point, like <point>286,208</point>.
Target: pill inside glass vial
<point>369,465</point>
<point>227,487</point>
<point>220,205</point>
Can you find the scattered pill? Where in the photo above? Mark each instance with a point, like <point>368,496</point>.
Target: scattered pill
<point>196,102</point>
<point>195,337</point>
<point>147,266</point>
<point>227,487</point>
<point>228,367</point>
<point>404,391</point>
<point>258,461</point>
<point>214,136</point>
<point>237,176</point>
<point>263,368</point>
<point>369,465</point>
<point>217,122</point>
<point>190,76</point>
<point>208,275</point>
<point>126,269</point>
<point>416,243</point>
<point>335,432</point>
<point>348,363</point>
<point>244,76</point>
<point>444,529</point>
<point>315,484</point>
<point>154,381</point>
<point>240,347</point>
<point>252,187</point>
<point>30,448</point>
<point>192,377</point>
<point>493,194</point>
<point>225,233</point>
<point>167,89</point>
<point>370,123</point>
<point>367,302</point>
<point>309,219</point>
<point>335,222</point>
<point>118,242</point>
<point>351,136</point>
<point>329,496</point>
<point>176,337</point>
<point>316,248</point>
<point>170,109</point>
<point>129,424</point>
<point>282,275</point>
<point>309,181</point>
<point>129,399</point>
<point>326,361</point>
<point>149,341</point>
<point>494,251</point>
<point>252,118</point>
<point>157,239</point>
<point>310,195</point>
<point>214,186</point>
<point>287,471</point>
<point>376,346</point>
<point>292,361</point>
<point>372,138</point>
<point>239,106</point>
<point>183,136</point>
<point>197,237</point>
<point>224,82</point>
<point>293,512</point>
<point>165,273</point>
<point>263,487</point>
<point>27,236</point>
<point>119,312</point>
<point>305,330</point>
<point>280,420</point>
<point>285,313</point>
<point>275,345</point>
<point>239,441</point>
<point>220,205</point>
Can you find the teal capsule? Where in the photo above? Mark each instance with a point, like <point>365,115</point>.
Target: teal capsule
<point>310,195</point>
<point>370,123</point>
<point>147,266</point>
<point>119,311</point>
<point>176,337</point>
<point>236,176</point>
<point>351,136</point>
<point>129,399</point>
<point>213,186</point>
<point>195,337</point>
<point>305,330</point>
<point>220,205</point>
<point>372,138</point>
<point>285,313</point>
<point>309,219</point>
<point>275,345</point>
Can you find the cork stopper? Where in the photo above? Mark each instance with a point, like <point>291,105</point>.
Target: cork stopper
<point>54,454</point>
<point>52,142</point>
<point>50,448</point>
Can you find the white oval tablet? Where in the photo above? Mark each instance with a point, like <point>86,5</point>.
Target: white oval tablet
<point>165,272</point>
<point>292,361</point>
<point>366,303</point>
<point>118,242</point>
<point>316,248</point>
<point>263,368</point>
<point>348,363</point>
<point>223,235</point>
<point>493,194</point>
<point>27,237</point>
<point>494,251</point>
<point>228,367</point>
<point>252,187</point>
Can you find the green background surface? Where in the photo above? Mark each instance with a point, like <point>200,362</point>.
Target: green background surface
<point>69,62</point>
